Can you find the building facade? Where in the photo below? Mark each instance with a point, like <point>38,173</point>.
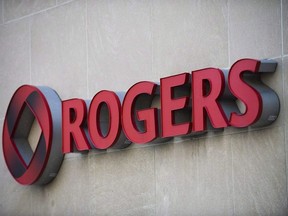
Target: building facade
<point>81,47</point>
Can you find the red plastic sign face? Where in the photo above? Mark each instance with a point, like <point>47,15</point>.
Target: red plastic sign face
<point>189,104</point>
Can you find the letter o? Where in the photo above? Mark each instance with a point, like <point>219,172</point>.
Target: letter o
<point>95,125</point>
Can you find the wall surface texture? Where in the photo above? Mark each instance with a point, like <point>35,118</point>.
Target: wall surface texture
<point>81,47</point>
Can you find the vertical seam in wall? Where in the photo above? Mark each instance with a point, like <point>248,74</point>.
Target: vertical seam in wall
<point>285,150</point>
<point>232,173</point>
<point>2,10</point>
<point>282,30</point>
<point>87,54</point>
<point>152,36</point>
<point>228,32</point>
<point>152,70</point>
<point>30,51</point>
<point>283,83</point>
<point>197,172</point>
<point>155,197</point>
<point>231,146</point>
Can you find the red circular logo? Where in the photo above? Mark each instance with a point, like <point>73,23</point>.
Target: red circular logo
<point>31,106</point>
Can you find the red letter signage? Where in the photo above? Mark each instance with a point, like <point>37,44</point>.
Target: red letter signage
<point>188,101</point>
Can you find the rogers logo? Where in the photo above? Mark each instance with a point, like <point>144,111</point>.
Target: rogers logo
<point>186,104</point>
<point>27,105</point>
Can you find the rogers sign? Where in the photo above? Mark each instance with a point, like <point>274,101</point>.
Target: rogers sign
<point>190,104</point>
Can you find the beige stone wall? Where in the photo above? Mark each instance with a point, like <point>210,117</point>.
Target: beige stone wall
<point>81,47</point>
